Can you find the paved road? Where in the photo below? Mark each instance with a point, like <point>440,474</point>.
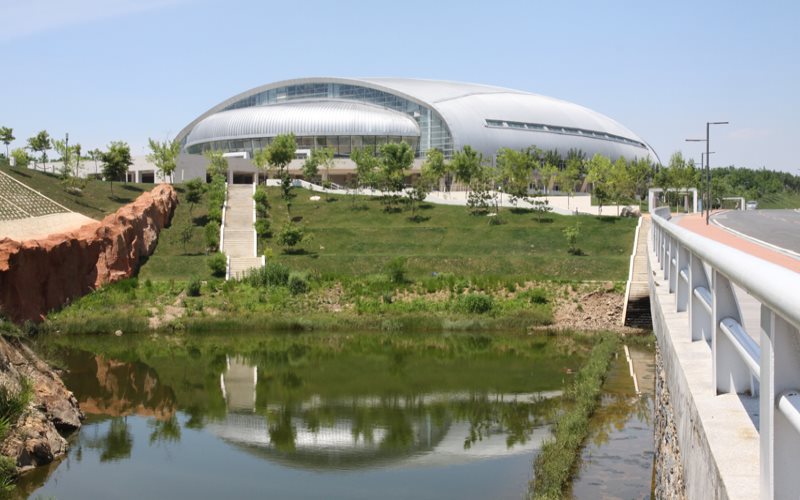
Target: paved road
<point>776,227</point>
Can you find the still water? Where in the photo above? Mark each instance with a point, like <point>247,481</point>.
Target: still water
<point>305,416</point>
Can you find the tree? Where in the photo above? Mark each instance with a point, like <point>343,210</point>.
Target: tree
<point>63,150</point>
<point>290,236</point>
<point>395,159</point>
<point>164,155</point>
<point>281,151</point>
<point>466,164</point>
<point>261,159</point>
<point>366,165</point>
<point>548,170</point>
<point>641,176</point>
<point>194,193</point>
<point>514,169</point>
<point>421,187</point>
<point>116,162</point>
<point>600,177</point>
<point>568,177</point>
<point>435,165</point>
<point>322,157</point>
<point>40,143</point>
<point>21,158</point>
<point>7,137</point>
<point>621,182</point>
<point>77,148</point>
<point>217,163</point>
<point>94,154</point>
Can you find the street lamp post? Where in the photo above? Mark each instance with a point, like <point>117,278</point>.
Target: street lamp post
<point>708,164</point>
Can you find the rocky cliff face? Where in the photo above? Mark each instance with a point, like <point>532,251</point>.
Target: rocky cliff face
<point>37,438</point>
<point>39,275</point>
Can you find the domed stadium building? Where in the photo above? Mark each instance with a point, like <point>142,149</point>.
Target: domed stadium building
<point>344,114</point>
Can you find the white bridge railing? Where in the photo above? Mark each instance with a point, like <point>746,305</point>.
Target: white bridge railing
<point>701,273</point>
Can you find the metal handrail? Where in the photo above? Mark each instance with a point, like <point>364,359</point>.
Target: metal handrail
<point>760,278</point>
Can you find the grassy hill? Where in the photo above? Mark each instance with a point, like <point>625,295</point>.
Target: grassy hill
<point>780,200</point>
<point>347,239</point>
<point>358,239</point>
<point>95,200</point>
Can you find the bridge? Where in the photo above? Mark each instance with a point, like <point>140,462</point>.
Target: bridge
<point>728,366</point>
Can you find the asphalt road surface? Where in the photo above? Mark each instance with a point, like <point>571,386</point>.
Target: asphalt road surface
<point>776,227</point>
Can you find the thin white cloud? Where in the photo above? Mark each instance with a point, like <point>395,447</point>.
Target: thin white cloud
<point>749,134</point>
<point>27,17</point>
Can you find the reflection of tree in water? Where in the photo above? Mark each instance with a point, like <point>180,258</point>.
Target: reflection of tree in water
<point>486,416</point>
<point>282,433</point>
<point>165,431</point>
<point>116,444</point>
<point>615,412</point>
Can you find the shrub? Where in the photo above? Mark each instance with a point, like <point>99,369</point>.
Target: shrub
<point>571,234</point>
<point>218,264</point>
<point>298,283</point>
<point>475,303</point>
<point>291,235</point>
<point>396,270</point>
<point>535,296</point>
<point>212,235</point>
<point>262,227</point>
<point>193,287</point>
<point>262,202</point>
<point>215,214</point>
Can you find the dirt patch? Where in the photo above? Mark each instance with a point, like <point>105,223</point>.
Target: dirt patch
<point>171,313</point>
<point>597,309</point>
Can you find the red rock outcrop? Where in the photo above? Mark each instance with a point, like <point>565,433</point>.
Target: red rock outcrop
<point>37,276</point>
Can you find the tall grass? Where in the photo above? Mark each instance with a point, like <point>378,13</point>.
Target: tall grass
<point>556,461</point>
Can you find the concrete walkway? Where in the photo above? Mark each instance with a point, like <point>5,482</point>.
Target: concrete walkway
<point>239,238</point>
<point>40,227</point>
<point>564,205</point>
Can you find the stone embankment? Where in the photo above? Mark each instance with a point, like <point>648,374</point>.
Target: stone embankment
<point>37,437</point>
<point>39,275</point>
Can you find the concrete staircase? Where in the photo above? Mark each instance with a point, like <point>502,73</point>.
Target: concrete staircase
<point>637,309</point>
<point>239,238</point>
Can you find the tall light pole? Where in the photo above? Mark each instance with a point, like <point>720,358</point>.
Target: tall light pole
<point>708,164</point>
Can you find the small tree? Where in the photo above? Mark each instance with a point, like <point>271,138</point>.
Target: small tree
<point>7,137</point>
<point>290,236</point>
<point>572,233</point>
<point>116,162</point>
<point>164,155</point>
<point>261,160</point>
<point>466,163</point>
<point>94,154</point>
<point>281,151</point>
<point>435,166</point>
<point>395,159</point>
<point>217,163</point>
<point>40,143</point>
<point>194,193</point>
<point>61,148</point>
<point>366,165</point>
<point>568,177</point>
<point>600,177</point>
<point>21,157</point>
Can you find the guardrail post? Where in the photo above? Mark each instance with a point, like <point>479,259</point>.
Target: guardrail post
<point>700,320</point>
<point>779,441</point>
<point>682,279</point>
<point>730,373</point>
<point>675,249</point>
<point>665,264</point>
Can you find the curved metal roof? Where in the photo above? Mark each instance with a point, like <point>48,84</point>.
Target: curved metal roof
<point>466,107</point>
<point>304,118</point>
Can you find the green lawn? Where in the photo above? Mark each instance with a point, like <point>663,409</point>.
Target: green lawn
<point>347,241</point>
<point>95,201</point>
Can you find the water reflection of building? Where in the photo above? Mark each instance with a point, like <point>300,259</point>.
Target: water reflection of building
<point>376,431</point>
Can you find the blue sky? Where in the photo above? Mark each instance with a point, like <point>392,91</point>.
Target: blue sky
<point>104,70</point>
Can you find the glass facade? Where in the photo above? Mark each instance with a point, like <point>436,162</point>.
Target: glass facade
<point>554,129</point>
<point>342,144</point>
<point>433,131</point>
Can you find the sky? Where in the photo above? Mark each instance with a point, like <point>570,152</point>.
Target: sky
<point>106,70</point>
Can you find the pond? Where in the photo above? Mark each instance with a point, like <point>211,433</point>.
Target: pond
<point>306,416</point>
